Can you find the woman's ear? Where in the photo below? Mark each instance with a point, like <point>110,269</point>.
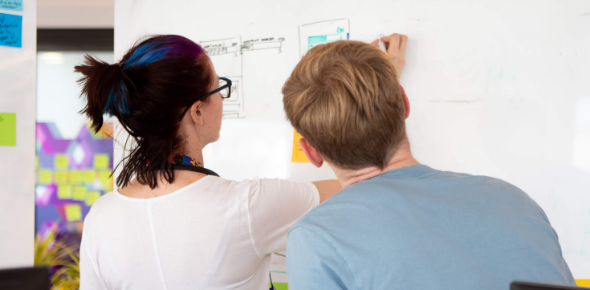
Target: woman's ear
<point>196,112</point>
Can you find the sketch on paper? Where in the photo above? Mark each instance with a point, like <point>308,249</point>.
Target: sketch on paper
<point>263,43</point>
<point>316,33</point>
<point>227,57</point>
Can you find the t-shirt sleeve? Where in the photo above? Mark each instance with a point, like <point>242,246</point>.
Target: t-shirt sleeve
<point>273,207</point>
<point>313,263</point>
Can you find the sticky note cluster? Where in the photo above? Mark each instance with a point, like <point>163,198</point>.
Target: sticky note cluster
<point>11,30</point>
<point>7,128</point>
<point>16,5</point>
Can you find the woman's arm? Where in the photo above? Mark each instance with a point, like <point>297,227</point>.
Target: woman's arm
<point>327,188</point>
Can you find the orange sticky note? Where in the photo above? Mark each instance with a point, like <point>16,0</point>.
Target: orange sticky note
<point>73,212</point>
<point>298,155</point>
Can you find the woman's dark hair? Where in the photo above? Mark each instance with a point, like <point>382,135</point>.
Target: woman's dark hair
<point>147,91</point>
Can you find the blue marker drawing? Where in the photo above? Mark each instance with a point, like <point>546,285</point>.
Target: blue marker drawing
<point>16,5</point>
<point>11,30</point>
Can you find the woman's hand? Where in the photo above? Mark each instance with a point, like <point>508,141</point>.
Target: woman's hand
<point>396,49</point>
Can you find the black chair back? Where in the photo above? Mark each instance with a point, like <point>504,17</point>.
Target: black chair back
<point>36,278</point>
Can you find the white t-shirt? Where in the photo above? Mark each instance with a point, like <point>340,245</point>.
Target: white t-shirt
<point>211,234</point>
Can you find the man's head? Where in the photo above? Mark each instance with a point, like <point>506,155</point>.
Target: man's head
<point>345,100</point>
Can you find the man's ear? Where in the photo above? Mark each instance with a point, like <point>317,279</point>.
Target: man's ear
<point>406,103</point>
<point>196,112</point>
<point>313,155</point>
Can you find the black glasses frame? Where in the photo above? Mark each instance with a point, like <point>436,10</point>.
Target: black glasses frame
<point>227,85</point>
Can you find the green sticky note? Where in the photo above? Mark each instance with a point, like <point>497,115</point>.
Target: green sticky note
<point>91,197</point>
<point>45,176</point>
<point>8,129</point>
<point>61,162</point>
<point>64,192</point>
<point>75,177</point>
<point>61,177</point>
<point>73,212</point>
<point>79,193</point>
<point>101,161</point>
<point>88,176</point>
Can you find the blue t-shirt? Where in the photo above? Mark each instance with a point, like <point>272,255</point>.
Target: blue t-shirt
<point>420,228</point>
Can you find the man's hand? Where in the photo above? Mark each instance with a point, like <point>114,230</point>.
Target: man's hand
<point>396,49</point>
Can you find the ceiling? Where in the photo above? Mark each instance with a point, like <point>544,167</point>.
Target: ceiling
<point>75,13</point>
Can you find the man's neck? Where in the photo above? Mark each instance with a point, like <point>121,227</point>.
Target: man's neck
<point>402,158</point>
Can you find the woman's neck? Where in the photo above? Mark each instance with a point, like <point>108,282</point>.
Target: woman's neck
<point>194,153</point>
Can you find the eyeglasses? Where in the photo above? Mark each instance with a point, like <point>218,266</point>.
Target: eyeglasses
<point>224,90</point>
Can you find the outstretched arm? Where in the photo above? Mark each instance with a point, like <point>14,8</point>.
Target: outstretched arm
<point>396,49</point>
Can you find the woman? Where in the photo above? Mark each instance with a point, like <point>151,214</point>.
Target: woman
<point>178,225</point>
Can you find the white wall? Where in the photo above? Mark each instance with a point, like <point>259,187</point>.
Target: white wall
<point>497,87</point>
<point>17,164</point>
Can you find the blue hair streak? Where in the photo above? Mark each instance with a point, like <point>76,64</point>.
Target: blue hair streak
<point>117,101</point>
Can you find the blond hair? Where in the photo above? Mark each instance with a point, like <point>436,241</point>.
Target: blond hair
<point>344,99</point>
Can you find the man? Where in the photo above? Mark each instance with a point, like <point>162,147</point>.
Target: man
<point>399,224</point>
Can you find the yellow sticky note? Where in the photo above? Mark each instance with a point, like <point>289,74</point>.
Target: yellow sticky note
<point>88,176</point>
<point>101,161</point>
<point>91,197</point>
<point>73,212</point>
<point>75,177</point>
<point>61,162</point>
<point>105,179</point>
<point>61,177</point>
<point>583,282</point>
<point>45,176</point>
<point>298,155</point>
<point>79,193</point>
<point>8,129</point>
<point>64,192</point>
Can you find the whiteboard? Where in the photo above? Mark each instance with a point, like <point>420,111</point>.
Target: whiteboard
<point>499,88</point>
<point>17,163</point>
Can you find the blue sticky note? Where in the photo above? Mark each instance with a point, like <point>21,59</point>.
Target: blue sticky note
<point>11,30</point>
<point>16,5</point>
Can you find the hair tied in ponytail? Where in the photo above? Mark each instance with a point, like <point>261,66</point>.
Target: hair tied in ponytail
<point>117,98</point>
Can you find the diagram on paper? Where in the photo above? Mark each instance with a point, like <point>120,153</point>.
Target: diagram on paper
<point>227,57</point>
<point>316,33</point>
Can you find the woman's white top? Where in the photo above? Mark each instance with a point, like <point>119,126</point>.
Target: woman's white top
<point>211,234</point>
